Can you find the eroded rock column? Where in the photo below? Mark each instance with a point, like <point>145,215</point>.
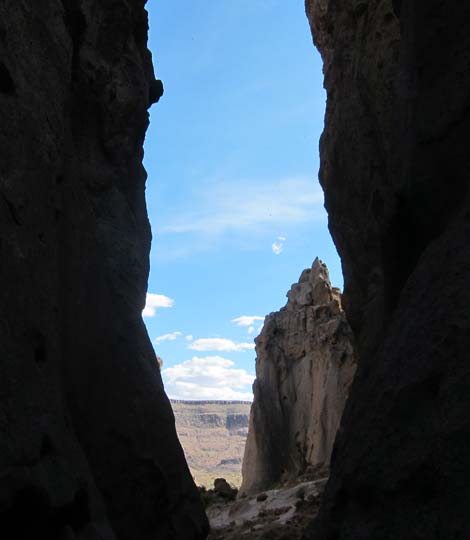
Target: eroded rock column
<point>304,366</point>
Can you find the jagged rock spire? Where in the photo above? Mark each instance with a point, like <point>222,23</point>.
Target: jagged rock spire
<point>304,367</point>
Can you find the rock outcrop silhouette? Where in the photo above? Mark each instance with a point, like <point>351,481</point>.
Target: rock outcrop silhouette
<point>304,367</point>
<point>88,447</point>
<point>395,171</point>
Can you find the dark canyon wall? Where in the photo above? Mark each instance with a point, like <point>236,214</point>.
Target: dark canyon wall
<point>88,447</point>
<point>395,169</point>
<point>304,367</point>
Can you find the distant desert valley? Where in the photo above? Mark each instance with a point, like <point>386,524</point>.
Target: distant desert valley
<point>213,435</point>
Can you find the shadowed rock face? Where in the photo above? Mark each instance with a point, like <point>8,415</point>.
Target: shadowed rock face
<point>88,444</point>
<point>395,170</point>
<point>304,367</point>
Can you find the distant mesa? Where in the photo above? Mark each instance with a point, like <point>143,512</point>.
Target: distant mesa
<point>210,402</point>
<point>213,436</point>
<point>235,421</point>
<point>230,461</point>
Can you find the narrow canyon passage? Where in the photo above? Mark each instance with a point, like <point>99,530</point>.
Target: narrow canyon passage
<point>247,197</point>
<point>88,445</point>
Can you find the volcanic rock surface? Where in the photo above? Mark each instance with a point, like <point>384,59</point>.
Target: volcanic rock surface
<point>395,169</point>
<point>304,367</point>
<point>88,444</point>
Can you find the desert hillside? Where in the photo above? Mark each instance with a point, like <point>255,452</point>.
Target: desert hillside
<point>213,436</point>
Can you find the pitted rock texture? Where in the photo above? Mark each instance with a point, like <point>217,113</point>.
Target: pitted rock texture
<point>304,367</point>
<point>88,444</point>
<point>395,170</point>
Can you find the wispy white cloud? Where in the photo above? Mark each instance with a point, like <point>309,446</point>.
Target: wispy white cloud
<point>251,329</point>
<point>167,337</point>
<point>219,344</point>
<point>189,337</point>
<point>247,320</point>
<point>278,246</point>
<point>249,205</point>
<point>156,301</point>
<point>209,377</point>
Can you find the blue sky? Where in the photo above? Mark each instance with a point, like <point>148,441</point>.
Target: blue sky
<point>232,194</point>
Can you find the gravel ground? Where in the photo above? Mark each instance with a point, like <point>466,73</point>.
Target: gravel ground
<point>278,514</point>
